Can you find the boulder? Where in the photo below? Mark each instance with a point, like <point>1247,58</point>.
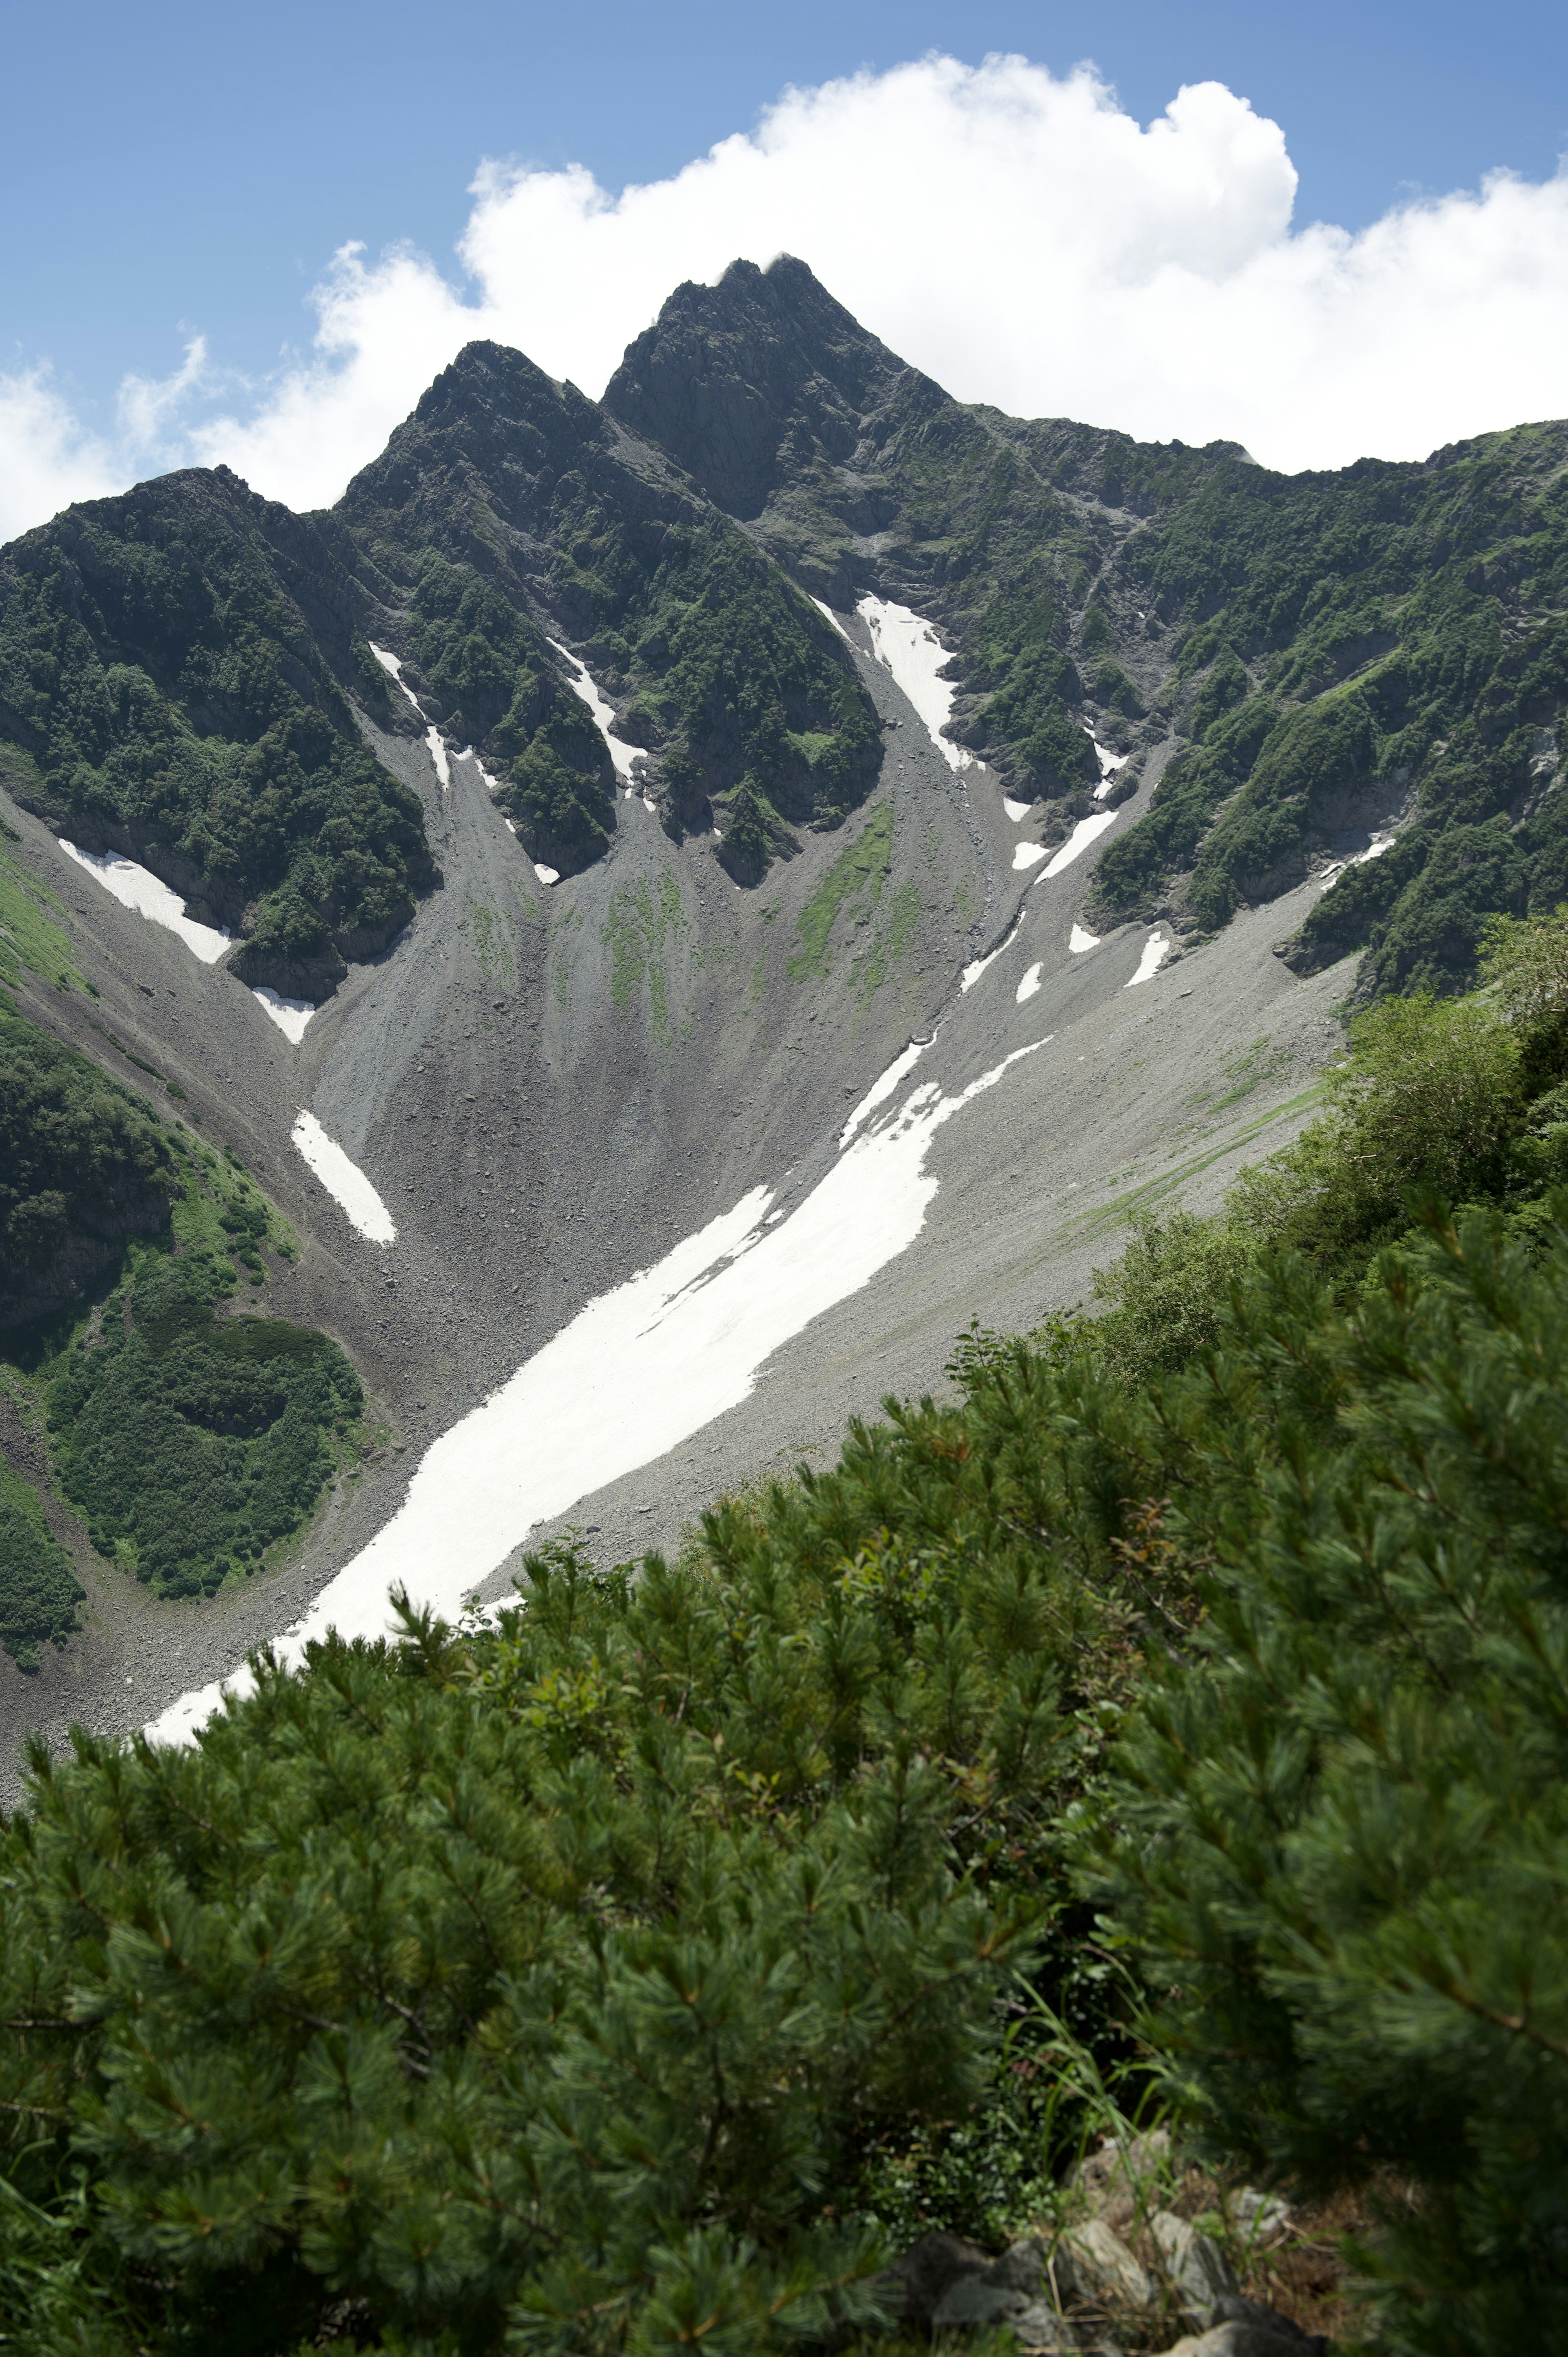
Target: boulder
<point>1197,2269</point>
<point>1113,2174</point>
<point>910,2290</point>
<point>1246,2327</point>
<point>1090,2262</point>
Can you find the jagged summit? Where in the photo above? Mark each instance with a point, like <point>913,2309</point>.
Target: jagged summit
<point>749,383</point>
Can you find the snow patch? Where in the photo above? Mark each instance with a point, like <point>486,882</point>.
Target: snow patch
<point>909,647</point>
<point>437,752</point>
<point>621,754</point>
<point>1156,949</point>
<point>1016,810</point>
<point>833,619</point>
<point>1083,835</point>
<point>879,1091</point>
<point>1028,987</point>
<point>344,1180</point>
<point>972,974</point>
<point>1078,941</point>
<point>1375,850</point>
<point>1027,855</point>
<point>545,875</point>
<point>290,1015</point>
<point>139,888</point>
<point>635,1374</point>
<point>393,664</point>
<point>1110,763</point>
<point>492,785</point>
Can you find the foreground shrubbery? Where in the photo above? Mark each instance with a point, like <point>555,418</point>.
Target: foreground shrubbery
<point>569,1986</point>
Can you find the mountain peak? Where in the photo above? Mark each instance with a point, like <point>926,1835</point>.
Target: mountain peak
<point>745,381</point>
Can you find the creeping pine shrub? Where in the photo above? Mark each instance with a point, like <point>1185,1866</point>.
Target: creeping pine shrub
<point>1336,1831</point>
<point>543,1987</point>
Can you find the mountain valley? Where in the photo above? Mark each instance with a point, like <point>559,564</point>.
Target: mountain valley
<point>579,820</point>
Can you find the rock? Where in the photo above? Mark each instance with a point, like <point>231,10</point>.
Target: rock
<point>1197,2269</point>
<point>1090,2262</point>
<point>912,2288</point>
<point>973,2300</point>
<point>1262,2214</point>
<point>1231,2308</point>
<point>1037,2327</point>
<point>1115,2175</point>
<point>1238,2340</point>
<point>1021,2267</point>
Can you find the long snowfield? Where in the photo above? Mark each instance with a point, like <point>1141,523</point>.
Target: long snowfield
<point>636,1372</point>
<point>344,1180</point>
<point>137,887</point>
<point>904,642</point>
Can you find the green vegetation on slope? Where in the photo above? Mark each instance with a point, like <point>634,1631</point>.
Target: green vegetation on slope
<point>38,1590</point>
<point>855,882</point>
<point>166,683</point>
<point>726,674</point>
<point>1402,627</point>
<point>84,1165</point>
<point>188,1443</point>
<point>29,937</point>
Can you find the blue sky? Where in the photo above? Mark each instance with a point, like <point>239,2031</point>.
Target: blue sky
<point>177,165</point>
<point>1306,254</point>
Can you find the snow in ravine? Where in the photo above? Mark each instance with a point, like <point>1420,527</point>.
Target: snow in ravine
<point>290,1015</point>
<point>621,754</point>
<point>1027,855</point>
<point>914,655</point>
<point>1085,832</point>
<point>1078,941</point>
<point>139,888</point>
<point>1156,949</point>
<point>1109,764</point>
<point>545,875</point>
<point>1016,810</point>
<point>344,1180</point>
<point>972,973</point>
<point>1029,985</point>
<point>393,665</point>
<point>437,751</point>
<point>634,1373</point>
<point>833,619</point>
<point>879,1093</point>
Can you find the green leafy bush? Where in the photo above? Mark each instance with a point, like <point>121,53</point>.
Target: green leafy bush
<point>190,1443</point>
<point>38,1590</point>
<point>83,1163</point>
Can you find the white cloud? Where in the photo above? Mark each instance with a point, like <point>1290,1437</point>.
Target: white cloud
<point>1017,236</point>
<point>46,460</point>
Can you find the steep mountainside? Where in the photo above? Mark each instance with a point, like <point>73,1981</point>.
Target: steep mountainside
<point>1334,660</point>
<point>725,885</point>
<point>509,508</point>
<point>176,675</point>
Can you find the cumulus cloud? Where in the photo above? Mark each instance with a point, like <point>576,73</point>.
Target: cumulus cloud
<point>1016,234</point>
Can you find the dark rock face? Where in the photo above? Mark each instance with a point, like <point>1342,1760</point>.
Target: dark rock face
<point>750,382</point>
